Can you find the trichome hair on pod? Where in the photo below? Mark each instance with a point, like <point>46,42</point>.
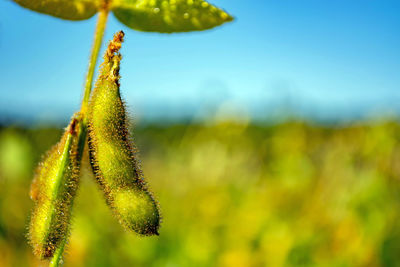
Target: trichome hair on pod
<point>113,155</point>
<point>53,190</point>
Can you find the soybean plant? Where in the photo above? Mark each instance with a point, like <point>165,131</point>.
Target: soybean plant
<point>103,118</point>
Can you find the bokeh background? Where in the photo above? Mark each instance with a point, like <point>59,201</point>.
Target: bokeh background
<point>270,141</point>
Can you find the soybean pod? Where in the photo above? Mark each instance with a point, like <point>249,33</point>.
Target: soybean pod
<point>113,155</point>
<point>53,190</point>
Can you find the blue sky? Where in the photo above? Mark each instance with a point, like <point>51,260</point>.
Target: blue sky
<point>333,59</point>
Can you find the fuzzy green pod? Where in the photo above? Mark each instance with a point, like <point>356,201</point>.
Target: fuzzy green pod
<point>53,189</point>
<point>112,153</point>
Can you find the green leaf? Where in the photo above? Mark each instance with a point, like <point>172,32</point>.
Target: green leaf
<point>169,16</point>
<point>64,9</point>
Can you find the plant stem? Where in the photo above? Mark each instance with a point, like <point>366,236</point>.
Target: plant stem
<point>98,38</point>
<point>55,261</point>
<point>65,160</point>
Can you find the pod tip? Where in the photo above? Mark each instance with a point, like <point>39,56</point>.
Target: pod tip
<point>115,44</point>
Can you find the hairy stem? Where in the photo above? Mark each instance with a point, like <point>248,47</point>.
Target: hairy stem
<point>82,132</point>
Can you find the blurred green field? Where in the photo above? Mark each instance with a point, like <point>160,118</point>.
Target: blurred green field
<point>292,194</point>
